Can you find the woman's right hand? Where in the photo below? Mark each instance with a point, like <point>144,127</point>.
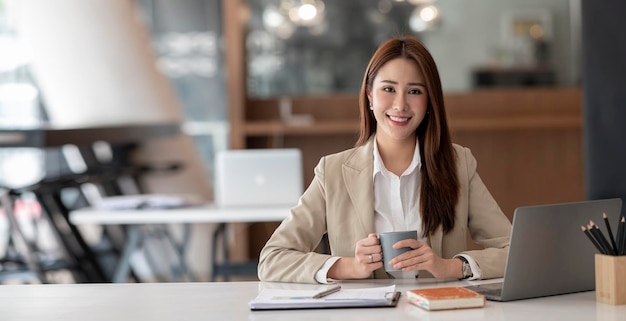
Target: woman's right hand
<point>368,256</point>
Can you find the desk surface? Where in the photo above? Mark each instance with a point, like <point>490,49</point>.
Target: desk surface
<point>229,301</point>
<point>198,214</point>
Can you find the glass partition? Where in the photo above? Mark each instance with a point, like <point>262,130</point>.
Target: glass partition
<point>310,47</point>
<point>187,37</point>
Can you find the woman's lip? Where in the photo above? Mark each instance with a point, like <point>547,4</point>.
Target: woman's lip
<point>399,119</point>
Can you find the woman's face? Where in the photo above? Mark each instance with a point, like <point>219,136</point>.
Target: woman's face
<point>399,100</point>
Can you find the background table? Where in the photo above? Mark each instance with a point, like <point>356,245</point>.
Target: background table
<point>71,159</point>
<point>229,301</point>
<point>208,213</point>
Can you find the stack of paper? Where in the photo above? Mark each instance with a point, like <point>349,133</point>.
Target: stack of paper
<point>270,299</point>
<point>147,201</point>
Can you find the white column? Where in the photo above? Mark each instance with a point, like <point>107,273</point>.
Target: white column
<point>93,62</point>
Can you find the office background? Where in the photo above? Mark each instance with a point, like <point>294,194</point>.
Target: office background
<point>224,69</point>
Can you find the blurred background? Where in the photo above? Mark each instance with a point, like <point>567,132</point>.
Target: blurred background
<point>292,48</point>
<point>161,85</point>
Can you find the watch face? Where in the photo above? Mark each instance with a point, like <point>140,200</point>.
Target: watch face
<point>467,270</point>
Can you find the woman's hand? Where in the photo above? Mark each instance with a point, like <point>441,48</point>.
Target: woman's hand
<point>422,257</point>
<point>367,258</point>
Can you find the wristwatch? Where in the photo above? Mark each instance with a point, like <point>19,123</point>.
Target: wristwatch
<point>466,268</point>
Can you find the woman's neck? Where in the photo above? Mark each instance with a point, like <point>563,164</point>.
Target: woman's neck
<point>396,154</point>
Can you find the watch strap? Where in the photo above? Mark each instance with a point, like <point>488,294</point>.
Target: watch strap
<point>466,268</point>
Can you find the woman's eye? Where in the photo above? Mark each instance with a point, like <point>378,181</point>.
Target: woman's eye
<point>415,91</point>
<point>388,89</point>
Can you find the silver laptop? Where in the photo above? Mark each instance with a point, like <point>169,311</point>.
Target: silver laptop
<point>258,177</point>
<point>549,254</point>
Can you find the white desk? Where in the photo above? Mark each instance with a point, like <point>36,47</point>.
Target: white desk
<point>229,301</point>
<point>198,214</point>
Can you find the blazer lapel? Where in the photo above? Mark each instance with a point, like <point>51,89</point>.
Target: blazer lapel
<point>357,173</point>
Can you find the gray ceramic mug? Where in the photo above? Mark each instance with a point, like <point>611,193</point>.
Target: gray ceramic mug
<point>388,239</point>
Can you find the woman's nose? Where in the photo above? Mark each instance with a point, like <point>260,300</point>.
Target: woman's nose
<point>399,103</point>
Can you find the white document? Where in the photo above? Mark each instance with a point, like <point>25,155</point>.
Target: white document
<point>269,299</point>
<point>147,201</point>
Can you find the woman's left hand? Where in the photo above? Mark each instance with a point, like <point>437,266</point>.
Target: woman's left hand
<point>422,257</point>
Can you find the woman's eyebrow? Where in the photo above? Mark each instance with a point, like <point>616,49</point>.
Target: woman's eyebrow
<point>410,84</point>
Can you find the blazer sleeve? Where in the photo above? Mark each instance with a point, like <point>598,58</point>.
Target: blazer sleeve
<point>289,255</point>
<point>487,224</point>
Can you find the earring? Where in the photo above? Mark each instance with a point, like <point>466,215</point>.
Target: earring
<point>371,107</point>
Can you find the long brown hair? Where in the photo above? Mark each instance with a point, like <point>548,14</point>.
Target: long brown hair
<point>439,191</point>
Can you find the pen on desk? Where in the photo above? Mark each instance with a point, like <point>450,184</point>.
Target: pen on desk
<point>601,239</point>
<point>595,243</point>
<point>611,237</point>
<point>327,292</point>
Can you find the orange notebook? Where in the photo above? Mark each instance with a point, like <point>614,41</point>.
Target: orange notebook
<point>445,298</point>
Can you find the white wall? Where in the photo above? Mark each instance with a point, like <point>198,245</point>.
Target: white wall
<point>470,30</point>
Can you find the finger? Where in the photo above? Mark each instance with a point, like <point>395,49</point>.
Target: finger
<point>377,257</point>
<point>415,262</point>
<point>400,258</point>
<point>371,239</point>
<point>412,243</point>
<point>363,249</point>
<point>408,264</point>
<point>374,249</point>
<point>373,258</point>
<point>370,258</point>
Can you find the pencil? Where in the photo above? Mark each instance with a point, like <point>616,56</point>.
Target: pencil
<point>596,237</point>
<point>600,236</point>
<point>595,243</point>
<point>327,292</point>
<point>611,237</point>
<point>621,236</point>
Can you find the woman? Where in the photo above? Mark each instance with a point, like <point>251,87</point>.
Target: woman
<point>403,174</point>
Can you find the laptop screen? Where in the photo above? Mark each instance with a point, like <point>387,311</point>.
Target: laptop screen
<point>258,177</point>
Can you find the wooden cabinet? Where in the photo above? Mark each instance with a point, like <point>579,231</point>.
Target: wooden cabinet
<point>528,142</point>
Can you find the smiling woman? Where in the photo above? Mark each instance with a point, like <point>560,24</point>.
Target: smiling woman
<point>403,174</point>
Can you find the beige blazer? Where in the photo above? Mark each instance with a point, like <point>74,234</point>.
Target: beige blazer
<point>340,202</point>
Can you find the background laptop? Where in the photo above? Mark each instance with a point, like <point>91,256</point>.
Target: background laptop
<point>258,177</point>
<point>549,254</point>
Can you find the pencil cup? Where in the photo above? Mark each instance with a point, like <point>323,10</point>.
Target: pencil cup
<point>610,274</point>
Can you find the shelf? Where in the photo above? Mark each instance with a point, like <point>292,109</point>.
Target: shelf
<point>265,128</point>
<point>516,123</point>
<point>270,128</point>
